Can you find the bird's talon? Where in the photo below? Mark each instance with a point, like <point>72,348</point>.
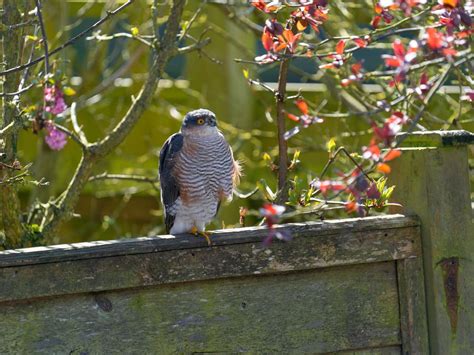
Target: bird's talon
<point>205,235</point>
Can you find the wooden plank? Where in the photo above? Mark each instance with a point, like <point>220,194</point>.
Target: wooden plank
<point>436,139</point>
<point>100,249</point>
<point>317,311</point>
<point>413,317</point>
<point>434,184</point>
<point>307,251</point>
<point>386,350</point>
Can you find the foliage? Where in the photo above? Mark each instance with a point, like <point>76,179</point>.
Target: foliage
<point>439,46</point>
<point>78,128</point>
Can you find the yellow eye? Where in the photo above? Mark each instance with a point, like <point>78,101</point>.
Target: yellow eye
<point>200,121</point>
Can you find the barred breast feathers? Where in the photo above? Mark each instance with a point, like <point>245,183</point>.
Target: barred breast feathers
<point>206,167</point>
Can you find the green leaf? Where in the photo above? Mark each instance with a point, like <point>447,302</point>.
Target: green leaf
<point>246,73</point>
<point>135,31</point>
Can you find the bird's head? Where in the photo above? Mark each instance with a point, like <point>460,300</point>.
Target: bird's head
<point>199,122</point>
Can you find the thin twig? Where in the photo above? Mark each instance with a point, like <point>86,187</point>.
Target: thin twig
<point>75,125</point>
<point>426,100</point>
<point>191,21</point>
<point>19,92</point>
<point>71,41</point>
<point>99,37</point>
<point>131,177</point>
<point>71,134</point>
<point>45,38</point>
<point>194,47</point>
<point>263,85</point>
<point>245,195</point>
<point>281,123</point>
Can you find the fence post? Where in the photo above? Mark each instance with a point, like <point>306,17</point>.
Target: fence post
<point>432,181</point>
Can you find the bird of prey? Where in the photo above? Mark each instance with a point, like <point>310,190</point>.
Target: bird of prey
<point>197,172</point>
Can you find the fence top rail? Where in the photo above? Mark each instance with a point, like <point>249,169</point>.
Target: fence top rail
<point>161,243</point>
<point>436,139</point>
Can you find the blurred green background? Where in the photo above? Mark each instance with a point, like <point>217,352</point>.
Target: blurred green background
<point>106,74</point>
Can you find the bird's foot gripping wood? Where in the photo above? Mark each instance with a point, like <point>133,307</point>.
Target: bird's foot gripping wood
<point>205,235</point>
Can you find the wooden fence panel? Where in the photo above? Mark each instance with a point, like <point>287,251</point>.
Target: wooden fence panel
<point>432,179</point>
<point>314,311</point>
<point>347,285</point>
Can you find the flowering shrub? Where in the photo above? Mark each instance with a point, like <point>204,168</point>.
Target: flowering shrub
<point>412,73</point>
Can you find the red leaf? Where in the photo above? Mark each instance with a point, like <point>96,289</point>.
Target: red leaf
<point>302,105</point>
<point>293,117</point>
<point>351,206</point>
<point>267,40</point>
<point>392,154</point>
<point>435,39</point>
<point>449,52</point>
<point>279,46</point>
<point>375,21</point>
<point>398,48</point>
<point>340,46</point>
<point>361,43</point>
<point>392,61</point>
<point>355,68</point>
<point>383,168</point>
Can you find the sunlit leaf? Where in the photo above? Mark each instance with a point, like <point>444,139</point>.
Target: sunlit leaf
<point>69,91</point>
<point>331,145</point>
<point>267,157</point>
<point>134,31</point>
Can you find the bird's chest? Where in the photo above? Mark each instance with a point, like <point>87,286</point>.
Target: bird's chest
<point>203,168</point>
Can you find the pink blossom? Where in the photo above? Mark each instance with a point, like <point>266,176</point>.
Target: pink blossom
<point>54,100</point>
<point>55,138</point>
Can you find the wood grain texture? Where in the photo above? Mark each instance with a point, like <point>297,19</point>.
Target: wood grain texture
<point>413,318</point>
<point>434,184</point>
<point>387,350</point>
<point>341,243</point>
<point>317,311</point>
<point>142,245</point>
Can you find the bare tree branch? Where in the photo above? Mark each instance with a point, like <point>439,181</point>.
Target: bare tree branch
<point>97,151</point>
<point>71,41</point>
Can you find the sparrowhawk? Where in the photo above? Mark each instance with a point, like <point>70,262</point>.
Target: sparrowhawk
<point>197,172</point>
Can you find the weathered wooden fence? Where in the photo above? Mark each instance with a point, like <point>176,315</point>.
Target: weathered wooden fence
<point>380,285</point>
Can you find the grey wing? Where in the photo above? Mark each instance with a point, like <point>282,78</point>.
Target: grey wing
<point>168,183</point>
